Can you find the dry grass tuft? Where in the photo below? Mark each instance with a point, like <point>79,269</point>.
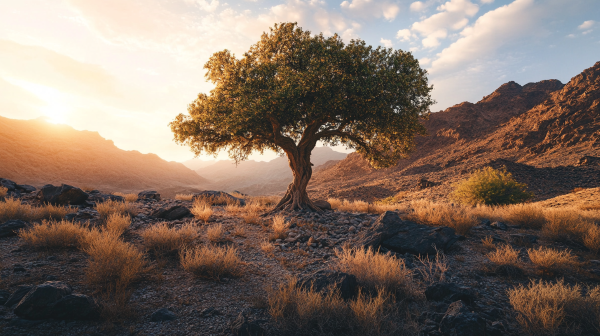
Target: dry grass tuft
<point>556,308</point>
<point>53,235</point>
<point>592,239</point>
<point>530,216</point>
<point>267,247</point>
<point>376,271</point>
<point>239,231</point>
<point>433,269</point>
<point>202,210</point>
<point>504,255</point>
<point>117,223</point>
<point>488,243</point>
<point>279,227</point>
<point>233,208</point>
<point>128,197</point>
<point>552,260</point>
<point>163,240</point>
<point>458,217</point>
<point>110,207</point>
<point>113,262</point>
<point>184,197</point>
<point>221,199</point>
<point>3,192</point>
<point>12,208</point>
<point>216,233</point>
<point>569,224</point>
<point>211,261</point>
<point>360,206</point>
<point>251,217</point>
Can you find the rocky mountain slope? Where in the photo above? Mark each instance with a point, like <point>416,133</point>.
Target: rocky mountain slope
<point>37,152</point>
<point>535,128</point>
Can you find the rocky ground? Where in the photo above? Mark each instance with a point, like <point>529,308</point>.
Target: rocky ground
<point>170,301</point>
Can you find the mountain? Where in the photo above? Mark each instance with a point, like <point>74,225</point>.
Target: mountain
<point>540,131</point>
<point>259,177</point>
<point>37,152</point>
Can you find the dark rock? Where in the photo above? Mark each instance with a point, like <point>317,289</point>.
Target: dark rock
<point>322,280</point>
<point>449,292</point>
<point>401,236</point>
<point>509,271</point>
<point>75,307</point>
<point>4,295</point>
<point>19,269</point>
<point>149,195</point>
<point>323,205</point>
<point>98,197</point>
<point>424,183</point>
<point>8,184</point>
<point>211,311</point>
<point>26,188</point>
<point>459,320</point>
<point>215,194</point>
<point>63,195</point>
<point>242,327</point>
<point>522,239</point>
<point>39,301</point>
<point>485,222</point>
<point>163,314</point>
<point>172,213</point>
<point>17,295</point>
<point>11,227</point>
<point>499,226</point>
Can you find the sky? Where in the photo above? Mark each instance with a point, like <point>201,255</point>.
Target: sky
<point>126,68</point>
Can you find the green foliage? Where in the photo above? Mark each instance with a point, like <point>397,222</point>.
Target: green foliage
<point>292,89</point>
<point>490,186</point>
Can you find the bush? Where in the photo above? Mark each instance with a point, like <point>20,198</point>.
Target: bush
<point>491,187</point>
<point>128,197</point>
<point>107,208</point>
<point>279,227</point>
<point>592,239</point>
<point>216,233</point>
<point>529,216</point>
<point>504,255</point>
<point>567,224</point>
<point>3,192</point>
<point>552,260</point>
<point>12,208</point>
<point>211,262</point>
<point>54,235</point>
<point>556,309</point>
<point>202,210</point>
<point>443,214</point>
<point>117,223</point>
<point>163,240</point>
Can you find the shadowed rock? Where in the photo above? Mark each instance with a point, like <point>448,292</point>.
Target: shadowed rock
<point>324,280</point>
<point>163,314</point>
<point>241,326</point>
<point>11,227</point>
<point>75,307</point>
<point>449,292</point>
<point>38,302</point>
<point>459,320</point>
<point>17,295</point>
<point>98,197</point>
<point>149,195</point>
<point>323,205</point>
<point>172,213</point>
<point>63,195</point>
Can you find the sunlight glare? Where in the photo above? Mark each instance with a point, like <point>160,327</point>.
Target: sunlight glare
<point>56,110</point>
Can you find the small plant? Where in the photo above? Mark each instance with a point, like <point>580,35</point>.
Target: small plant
<point>107,208</point>
<point>375,271</point>
<point>443,214</point>
<point>53,235</point>
<point>488,243</point>
<point>552,260</point>
<point>239,231</point>
<point>117,223</point>
<point>433,269</point>
<point>529,216</point>
<point>251,217</point>
<point>184,197</point>
<point>3,192</point>
<point>279,227</point>
<point>12,208</point>
<point>211,261</point>
<point>202,210</point>
<point>267,247</point>
<point>491,187</point>
<point>163,240</point>
<point>567,224</point>
<point>592,239</point>
<point>216,233</point>
<point>128,197</point>
<point>504,255</point>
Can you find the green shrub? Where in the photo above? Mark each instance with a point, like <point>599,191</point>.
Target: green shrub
<point>490,186</point>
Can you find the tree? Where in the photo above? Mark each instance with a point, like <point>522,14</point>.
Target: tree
<point>291,90</point>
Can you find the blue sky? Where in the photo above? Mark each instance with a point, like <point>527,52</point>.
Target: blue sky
<point>127,68</point>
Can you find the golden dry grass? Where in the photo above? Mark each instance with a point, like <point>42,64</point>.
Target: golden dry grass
<point>251,217</point>
<point>552,260</point>
<point>267,247</point>
<point>433,269</point>
<point>504,255</point>
<point>458,217</point>
<point>592,239</point>
<point>360,206</point>
<point>546,308</point>
<point>239,231</point>
<point>488,243</point>
<point>117,223</point>
<point>221,199</point>
<point>107,208</point>
<point>279,227</point>
<point>113,262</point>
<point>12,208</point>
<point>202,210</point>
<point>216,233</point>
<point>374,271</point>
<point>53,235</point>
<point>211,261</point>
<point>569,223</point>
<point>233,208</point>
<point>163,240</point>
<point>3,191</point>
<point>128,197</point>
<point>184,197</point>
<point>530,216</point>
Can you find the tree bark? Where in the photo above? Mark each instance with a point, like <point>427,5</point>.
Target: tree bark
<point>296,197</point>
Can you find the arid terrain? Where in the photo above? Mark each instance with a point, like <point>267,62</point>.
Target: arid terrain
<point>392,253</point>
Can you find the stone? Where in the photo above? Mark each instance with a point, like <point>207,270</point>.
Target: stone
<point>26,188</point>
<point>11,227</point>
<point>37,304</point>
<point>63,195</point>
<point>522,239</point>
<point>75,307</point>
<point>149,195</point>
<point>17,295</point>
<point>210,311</point>
<point>241,326</point>
<point>323,205</point>
<point>397,235</point>
<point>98,197</point>
<point>172,213</point>
<point>4,295</point>
<point>322,280</point>
<point>223,195</point>
<point>424,184</point>
<point>499,226</point>
<point>459,320</point>
<point>163,314</point>
<point>8,184</point>
<point>447,291</point>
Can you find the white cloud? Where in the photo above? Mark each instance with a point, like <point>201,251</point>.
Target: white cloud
<point>487,1</point>
<point>371,9</point>
<point>417,6</point>
<point>404,35</point>
<point>424,61</point>
<point>453,15</point>
<point>586,25</point>
<point>205,5</point>
<point>386,43</point>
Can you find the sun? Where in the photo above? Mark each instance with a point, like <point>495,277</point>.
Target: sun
<point>56,114</point>
<point>56,110</point>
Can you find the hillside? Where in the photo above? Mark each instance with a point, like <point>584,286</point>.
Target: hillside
<point>539,131</point>
<point>259,177</point>
<point>37,152</point>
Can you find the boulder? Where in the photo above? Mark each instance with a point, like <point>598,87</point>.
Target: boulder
<point>225,197</point>
<point>63,195</point>
<point>11,227</point>
<point>8,184</point>
<point>322,280</point>
<point>75,307</point>
<point>323,205</point>
<point>17,295</point>
<point>449,292</point>
<point>172,213</point>
<point>98,197</point>
<point>38,303</point>
<point>26,188</point>
<point>163,314</point>
<point>149,195</point>
<point>459,320</point>
<point>424,184</point>
<point>241,326</point>
<point>4,295</point>
<point>395,234</point>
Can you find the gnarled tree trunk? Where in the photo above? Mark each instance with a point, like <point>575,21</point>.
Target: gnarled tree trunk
<point>296,197</point>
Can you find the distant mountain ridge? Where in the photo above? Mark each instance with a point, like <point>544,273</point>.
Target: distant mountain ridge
<point>37,152</point>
